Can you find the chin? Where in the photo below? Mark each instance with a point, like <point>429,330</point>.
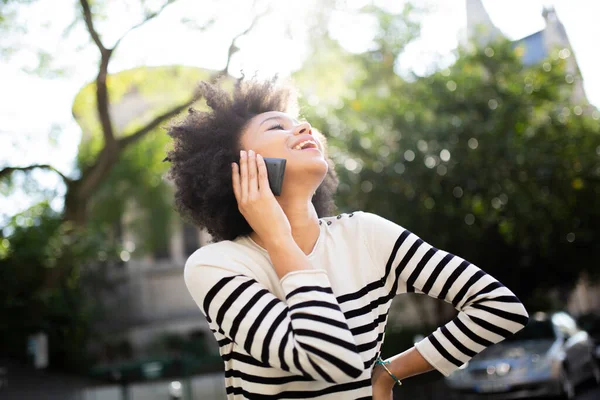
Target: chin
<point>315,167</point>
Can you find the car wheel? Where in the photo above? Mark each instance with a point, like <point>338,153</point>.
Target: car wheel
<point>567,386</point>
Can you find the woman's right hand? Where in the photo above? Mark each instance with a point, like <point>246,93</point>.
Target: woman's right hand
<point>256,201</point>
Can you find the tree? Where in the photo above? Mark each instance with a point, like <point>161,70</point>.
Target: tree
<point>46,256</point>
<point>96,170</point>
<point>39,242</point>
<point>135,197</point>
<point>486,158</point>
<point>104,144</point>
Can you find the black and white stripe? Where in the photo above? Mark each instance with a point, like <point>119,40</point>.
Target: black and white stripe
<point>310,342</point>
<point>489,312</point>
<point>307,335</point>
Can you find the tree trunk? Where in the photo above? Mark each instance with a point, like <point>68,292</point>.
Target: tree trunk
<point>75,210</point>
<point>80,192</point>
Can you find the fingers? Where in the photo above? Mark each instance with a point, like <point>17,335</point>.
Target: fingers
<point>252,175</point>
<point>235,180</point>
<point>243,176</point>
<point>246,177</point>
<point>263,177</point>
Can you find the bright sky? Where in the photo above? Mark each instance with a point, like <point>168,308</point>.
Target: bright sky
<point>34,109</point>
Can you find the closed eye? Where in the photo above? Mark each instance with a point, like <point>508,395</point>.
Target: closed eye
<point>276,126</point>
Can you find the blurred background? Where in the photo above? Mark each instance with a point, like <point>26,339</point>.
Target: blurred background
<point>473,123</point>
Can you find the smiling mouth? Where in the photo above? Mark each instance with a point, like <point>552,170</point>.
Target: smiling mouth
<point>307,144</point>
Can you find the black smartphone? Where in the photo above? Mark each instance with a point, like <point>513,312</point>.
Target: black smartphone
<point>275,170</point>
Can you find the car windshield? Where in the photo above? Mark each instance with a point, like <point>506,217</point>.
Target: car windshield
<point>535,330</point>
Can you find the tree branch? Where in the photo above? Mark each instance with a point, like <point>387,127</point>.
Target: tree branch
<point>89,22</point>
<point>9,170</point>
<point>148,18</point>
<point>102,99</point>
<point>233,48</point>
<point>109,155</point>
<point>95,174</point>
<point>134,137</point>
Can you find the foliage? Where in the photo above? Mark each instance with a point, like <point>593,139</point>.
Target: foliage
<point>136,198</point>
<point>33,246</point>
<point>137,96</point>
<point>135,186</point>
<point>7,10</point>
<point>487,159</point>
<point>118,175</point>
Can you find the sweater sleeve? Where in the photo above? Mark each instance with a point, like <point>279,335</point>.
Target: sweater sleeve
<point>488,311</point>
<point>306,335</point>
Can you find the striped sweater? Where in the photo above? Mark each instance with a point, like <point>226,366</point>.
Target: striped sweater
<point>316,333</point>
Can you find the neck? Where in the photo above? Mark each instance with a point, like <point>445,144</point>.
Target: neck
<point>303,220</point>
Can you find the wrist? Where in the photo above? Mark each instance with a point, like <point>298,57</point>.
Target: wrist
<point>286,256</point>
<point>387,381</point>
<point>388,377</point>
<point>282,243</point>
<point>408,363</point>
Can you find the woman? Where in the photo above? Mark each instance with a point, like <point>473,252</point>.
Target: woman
<point>298,301</point>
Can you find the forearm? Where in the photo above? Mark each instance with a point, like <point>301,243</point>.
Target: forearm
<point>408,363</point>
<point>402,366</point>
<point>318,328</point>
<point>306,334</point>
<point>287,256</point>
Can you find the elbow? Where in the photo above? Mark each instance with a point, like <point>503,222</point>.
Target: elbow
<point>337,368</point>
<point>524,314</point>
<point>341,377</point>
<point>520,317</point>
<point>517,308</point>
<point>351,374</point>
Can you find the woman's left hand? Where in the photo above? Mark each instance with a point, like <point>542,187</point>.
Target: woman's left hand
<point>382,383</point>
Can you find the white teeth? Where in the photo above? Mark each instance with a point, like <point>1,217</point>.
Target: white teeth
<point>300,145</point>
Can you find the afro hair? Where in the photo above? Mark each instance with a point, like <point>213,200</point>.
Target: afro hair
<point>205,143</point>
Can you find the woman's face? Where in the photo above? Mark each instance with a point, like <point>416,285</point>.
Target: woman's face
<point>276,134</point>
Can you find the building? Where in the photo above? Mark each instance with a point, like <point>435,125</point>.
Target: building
<point>536,47</point>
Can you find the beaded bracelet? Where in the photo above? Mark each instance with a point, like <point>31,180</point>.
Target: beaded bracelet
<point>379,361</point>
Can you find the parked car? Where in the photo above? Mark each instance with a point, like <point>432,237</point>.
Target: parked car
<point>549,357</point>
<point>591,324</point>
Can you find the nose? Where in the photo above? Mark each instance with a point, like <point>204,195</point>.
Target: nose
<point>302,128</point>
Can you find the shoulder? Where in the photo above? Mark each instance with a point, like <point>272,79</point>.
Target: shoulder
<point>349,225</point>
<point>354,220</point>
<point>229,257</point>
<point>341,223</point>
<point>375,230</point>
<point>213,253</point>
<point>343,218</point>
